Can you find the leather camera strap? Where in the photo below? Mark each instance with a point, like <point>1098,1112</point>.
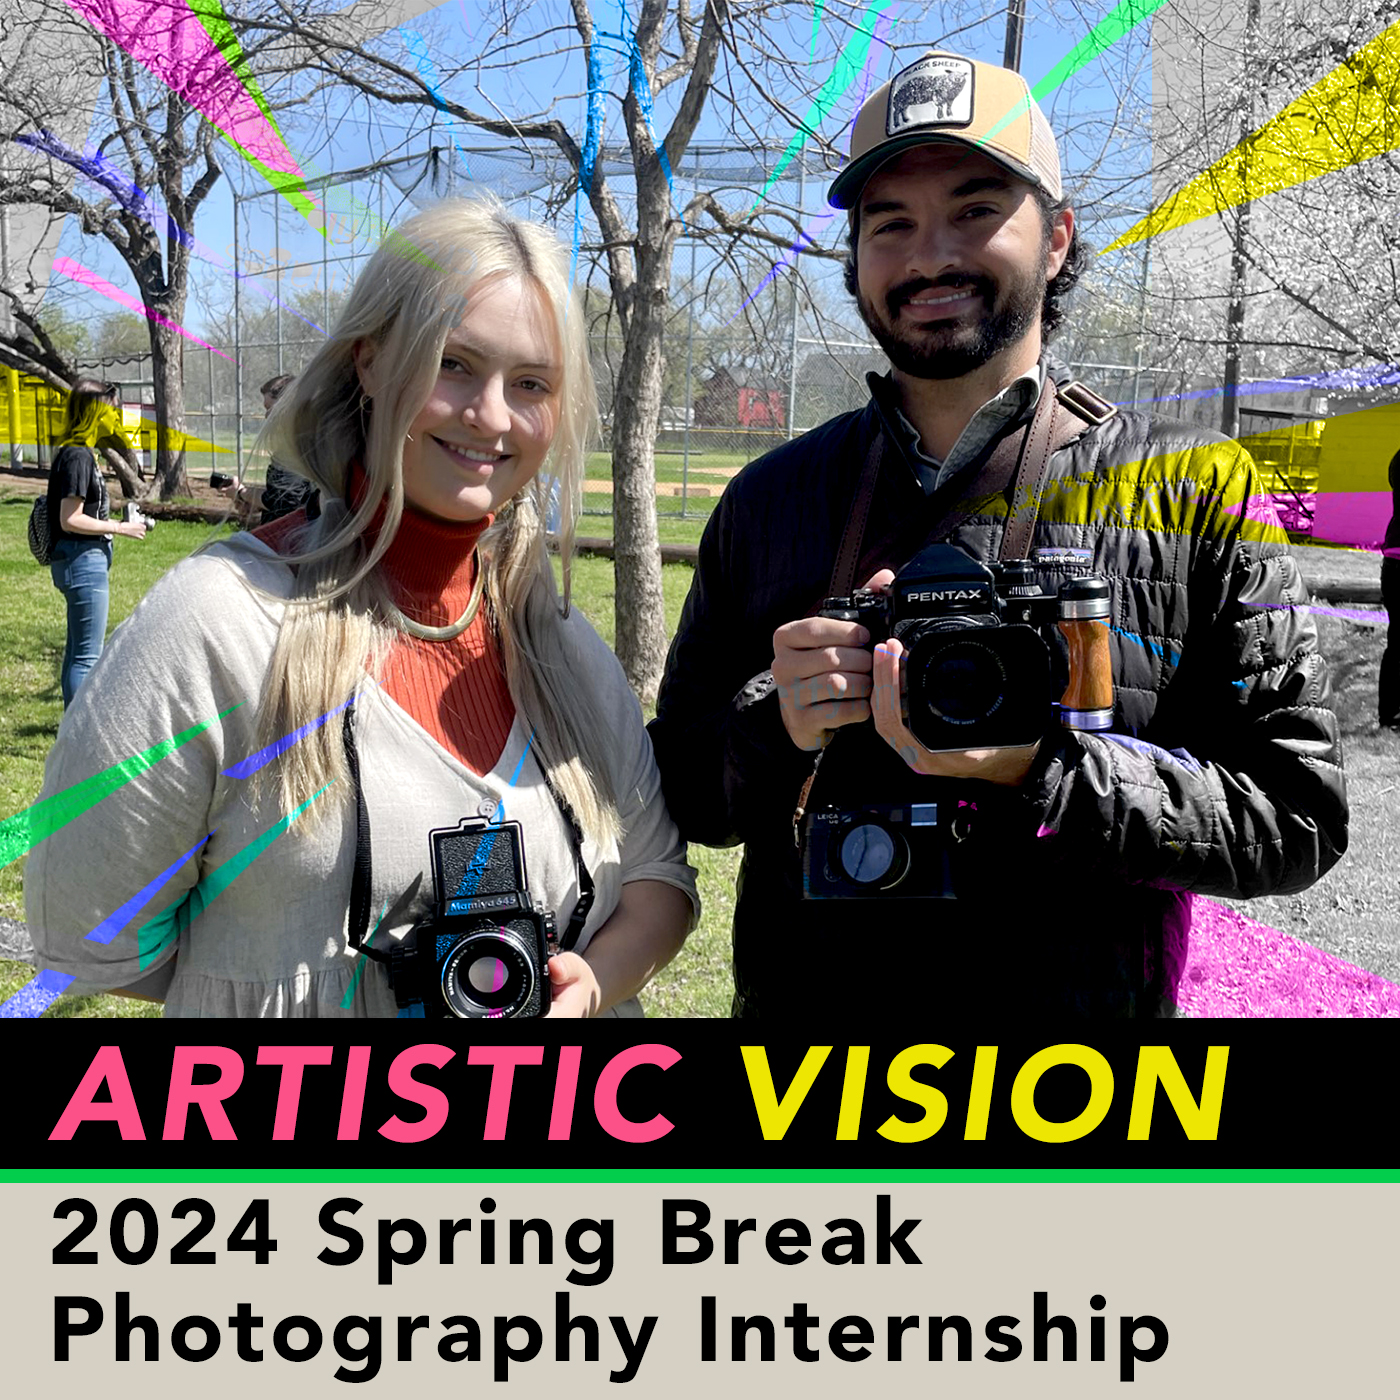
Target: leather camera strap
<point>1024,504</point>
<point>848,556</point>
<point>1022,455</point>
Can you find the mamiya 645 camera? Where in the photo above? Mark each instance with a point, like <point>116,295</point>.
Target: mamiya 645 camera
<point>483,950</point>
<point>978,677</point>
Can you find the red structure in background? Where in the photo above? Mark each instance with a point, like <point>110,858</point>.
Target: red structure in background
<point>761,408</point>
<point>727,402</point>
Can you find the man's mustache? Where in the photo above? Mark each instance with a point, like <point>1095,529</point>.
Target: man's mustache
<point>907,291</point>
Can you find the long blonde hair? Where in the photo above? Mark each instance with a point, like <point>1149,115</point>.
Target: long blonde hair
<point>404,305</point>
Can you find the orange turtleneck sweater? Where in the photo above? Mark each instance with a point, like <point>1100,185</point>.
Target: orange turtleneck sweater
<point>455,689</point>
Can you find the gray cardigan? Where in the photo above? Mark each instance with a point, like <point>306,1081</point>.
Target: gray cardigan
<point>258,912</point>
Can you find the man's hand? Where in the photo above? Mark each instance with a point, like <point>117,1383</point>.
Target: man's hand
<point>1006,766</point>
<point>822,669</point>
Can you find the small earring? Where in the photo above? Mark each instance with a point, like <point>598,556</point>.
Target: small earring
<point>365,402</point>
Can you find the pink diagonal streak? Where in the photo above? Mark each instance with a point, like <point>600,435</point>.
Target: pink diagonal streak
<point>174,46</point>
<point>88,278</point>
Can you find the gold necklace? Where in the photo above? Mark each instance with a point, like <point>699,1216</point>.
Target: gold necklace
<point>453,629</point>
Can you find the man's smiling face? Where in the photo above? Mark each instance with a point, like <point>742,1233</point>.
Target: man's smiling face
<point>952,259</point>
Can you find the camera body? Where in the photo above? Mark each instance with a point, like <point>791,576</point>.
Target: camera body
<point>218,481</point>
<point>976,668</point>
<point>871,851</point>
<point>978,675</point>
<point>131,511</point>
<point>483,950</point>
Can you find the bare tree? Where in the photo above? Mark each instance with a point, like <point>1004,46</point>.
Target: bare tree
<point>139,185</point>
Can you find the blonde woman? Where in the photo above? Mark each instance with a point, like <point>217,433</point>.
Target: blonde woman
<point>81,526</point>
<point>400,667</point>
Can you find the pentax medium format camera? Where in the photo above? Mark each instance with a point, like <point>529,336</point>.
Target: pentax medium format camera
<point>483,951</point>
<point>976,668</point>
<point>978,676</point>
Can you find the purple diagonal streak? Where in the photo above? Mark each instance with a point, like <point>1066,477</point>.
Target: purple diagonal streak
<point>100,171</point>
<point>1375,378</point>
<point>1378,619</point>
<point>112,925</point>
<point>36,996</point>
<point>45,988</point>
<point>245,768</point>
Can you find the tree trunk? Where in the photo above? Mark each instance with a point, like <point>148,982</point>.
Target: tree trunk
<point>640,611</point>
<point>132,487</point>
<point>167,369</point>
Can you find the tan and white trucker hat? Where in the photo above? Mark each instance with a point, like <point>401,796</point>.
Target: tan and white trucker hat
<point>944,97</point>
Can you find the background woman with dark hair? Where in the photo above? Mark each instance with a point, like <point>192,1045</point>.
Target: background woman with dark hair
<point>82,527</point>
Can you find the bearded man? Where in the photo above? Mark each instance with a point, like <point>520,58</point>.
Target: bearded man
<point>1049,872</point>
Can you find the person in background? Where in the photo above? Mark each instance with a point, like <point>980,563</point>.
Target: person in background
<point>284,491</point>
<point>82,526</point>
<point>1390,596</point>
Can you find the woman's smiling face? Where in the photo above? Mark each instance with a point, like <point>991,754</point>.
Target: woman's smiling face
<point>491,416</point>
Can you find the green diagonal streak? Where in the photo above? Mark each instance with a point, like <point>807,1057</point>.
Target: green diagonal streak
<point>154,937</point>
<point>215,24</point>
<point>211,16</point>
<point>26,829</point>
<point>1107,32</point>
<point>849,62</point>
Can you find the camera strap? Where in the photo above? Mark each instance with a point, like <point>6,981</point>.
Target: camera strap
<point>361,881</point>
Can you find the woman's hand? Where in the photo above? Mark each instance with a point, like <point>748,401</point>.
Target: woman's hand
<point>638,939</point>
<point>573,988</point>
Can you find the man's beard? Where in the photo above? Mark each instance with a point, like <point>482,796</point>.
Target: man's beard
<point>951,349</point>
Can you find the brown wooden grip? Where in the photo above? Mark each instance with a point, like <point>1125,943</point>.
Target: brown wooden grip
<point>1090,665</point>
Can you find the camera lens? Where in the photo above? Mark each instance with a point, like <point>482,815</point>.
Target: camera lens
<point>488,974</point>
<point>872,855</point>
<point>964,682</point>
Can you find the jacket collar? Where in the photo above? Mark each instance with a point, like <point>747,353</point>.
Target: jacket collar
<point>884,400</point>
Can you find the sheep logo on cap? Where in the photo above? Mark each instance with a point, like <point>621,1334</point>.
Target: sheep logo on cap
<point>936,83</point>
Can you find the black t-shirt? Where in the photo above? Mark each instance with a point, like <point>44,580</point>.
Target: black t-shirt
<point>75,473</point>
<point>286,492</point>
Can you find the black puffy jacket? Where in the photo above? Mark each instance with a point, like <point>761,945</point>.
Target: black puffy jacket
<point>1223,775</point>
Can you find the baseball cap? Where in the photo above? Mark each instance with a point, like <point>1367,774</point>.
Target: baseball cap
<point>944,97</point>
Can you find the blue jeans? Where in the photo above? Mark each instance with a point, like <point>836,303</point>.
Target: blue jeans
<point>79,570</point>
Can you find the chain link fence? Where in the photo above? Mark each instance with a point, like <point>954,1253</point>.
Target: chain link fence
<point>754,355</point>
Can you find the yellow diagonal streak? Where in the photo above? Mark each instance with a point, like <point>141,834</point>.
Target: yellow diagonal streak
<point>1349,116</point>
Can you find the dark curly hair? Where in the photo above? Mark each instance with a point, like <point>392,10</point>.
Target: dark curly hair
<point>1057,289</point>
